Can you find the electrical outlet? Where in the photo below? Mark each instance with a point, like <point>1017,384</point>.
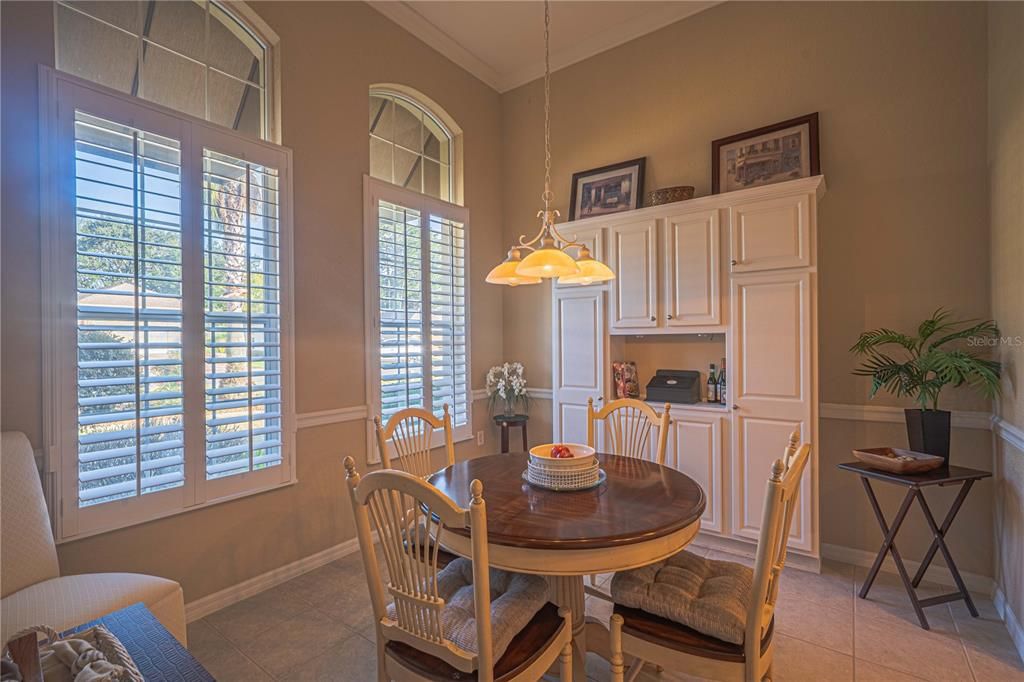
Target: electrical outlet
<point>479,437</point>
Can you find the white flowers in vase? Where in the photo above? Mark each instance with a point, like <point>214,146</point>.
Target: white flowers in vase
<point>507,383</point>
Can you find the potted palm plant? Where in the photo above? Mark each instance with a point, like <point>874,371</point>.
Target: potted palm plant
<point>922,364</point>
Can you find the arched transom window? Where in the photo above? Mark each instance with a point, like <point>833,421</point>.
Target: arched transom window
<point>194,56</point>
<point>409,146</point>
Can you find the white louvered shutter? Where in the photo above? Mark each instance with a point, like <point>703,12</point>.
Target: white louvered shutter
<point>400,264</point>
<point>420,305</point>
<point>242,315</point>
<point>448,362</point>
<point>128,269</point>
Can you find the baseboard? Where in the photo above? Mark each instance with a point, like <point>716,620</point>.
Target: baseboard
<point>1013,625</point>
<point>204,606</point>
<point>937,572</point>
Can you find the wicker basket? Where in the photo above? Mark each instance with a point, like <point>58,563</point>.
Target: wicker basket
<point>669,195</point>
<point>543,474</point>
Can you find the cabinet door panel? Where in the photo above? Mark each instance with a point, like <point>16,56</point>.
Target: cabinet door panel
<point>772,392</point>
<point>759,442</point>
<point>633,249</point>
<point>695,448</point>
<point>593,239</point>
<point>768,234</point>
<point>691,270</point>
<point>579,359</point>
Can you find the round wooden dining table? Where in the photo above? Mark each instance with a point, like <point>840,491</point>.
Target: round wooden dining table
<point>642,513</point>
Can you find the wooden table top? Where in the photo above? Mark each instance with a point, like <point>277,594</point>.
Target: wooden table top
<point>940,476</point>
<point>639,501</point>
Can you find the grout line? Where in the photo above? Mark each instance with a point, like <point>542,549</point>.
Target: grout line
<point>238,649</point>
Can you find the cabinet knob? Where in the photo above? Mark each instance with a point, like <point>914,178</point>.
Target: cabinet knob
<point>734,262</point>
<point>735,407</point>
<point>653,318</point>
<point>669,317</point>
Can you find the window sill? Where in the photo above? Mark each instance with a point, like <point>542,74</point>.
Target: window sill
<point>176,512</point>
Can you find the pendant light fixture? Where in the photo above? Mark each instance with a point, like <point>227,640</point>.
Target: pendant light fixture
<point>547,255</point>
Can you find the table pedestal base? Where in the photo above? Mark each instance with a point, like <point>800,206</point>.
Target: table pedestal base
<point>567,591</point>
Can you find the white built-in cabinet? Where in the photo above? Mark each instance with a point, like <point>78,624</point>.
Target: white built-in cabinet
<point>742,264</point>
<point>691,273</point>
<point>633,249</point>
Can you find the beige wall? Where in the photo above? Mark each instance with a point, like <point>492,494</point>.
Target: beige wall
<point>330,54</point>
<point>903,225</point>
<point>898,89</point>
<point>1006,177</point>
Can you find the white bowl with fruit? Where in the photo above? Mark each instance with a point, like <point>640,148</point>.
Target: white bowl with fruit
<point>566,455</point>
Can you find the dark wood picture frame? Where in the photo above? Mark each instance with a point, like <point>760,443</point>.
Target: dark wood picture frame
<point>811,120</point>
<point>639,163</point>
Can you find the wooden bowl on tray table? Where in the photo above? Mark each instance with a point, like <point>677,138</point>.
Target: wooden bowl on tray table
<point>898,460</point>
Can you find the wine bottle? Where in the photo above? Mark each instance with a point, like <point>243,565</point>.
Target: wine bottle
<point>722,393</point>
<point>712,385</point>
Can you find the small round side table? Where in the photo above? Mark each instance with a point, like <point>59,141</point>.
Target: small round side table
<point>507,421</point>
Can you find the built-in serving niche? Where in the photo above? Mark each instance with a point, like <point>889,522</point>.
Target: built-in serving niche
<point>669,351</point>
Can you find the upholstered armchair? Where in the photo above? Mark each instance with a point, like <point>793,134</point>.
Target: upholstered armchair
<point>33,590</point>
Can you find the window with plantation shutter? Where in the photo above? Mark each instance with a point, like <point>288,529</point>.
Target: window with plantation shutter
<point>242,317</point>
<point>128,259</point>
<point>418,331</point>
<point>167,290</point>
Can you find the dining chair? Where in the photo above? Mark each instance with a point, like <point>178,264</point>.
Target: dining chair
<point>411,431</point>
<point>463,621</point>
<point>713,619</point>
<point>628,423</point>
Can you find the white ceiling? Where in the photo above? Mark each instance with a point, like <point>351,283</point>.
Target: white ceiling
<point>502,43</point>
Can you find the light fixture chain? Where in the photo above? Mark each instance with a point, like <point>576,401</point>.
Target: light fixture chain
<point>547,196</point>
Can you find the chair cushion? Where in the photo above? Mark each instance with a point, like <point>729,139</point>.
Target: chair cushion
<point>709,596</point>
<point>515,598</point>
<point>63,603</point>
<point>28,554</point>
<point>532,642</point>
<point>672,635</point>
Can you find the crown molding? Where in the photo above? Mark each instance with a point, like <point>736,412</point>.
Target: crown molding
<point>415,23</point>
<point>612,37</point>
<point>405,15</point>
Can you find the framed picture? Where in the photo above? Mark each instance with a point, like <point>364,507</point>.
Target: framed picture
<point>775,153</point>
<point>609,189</point>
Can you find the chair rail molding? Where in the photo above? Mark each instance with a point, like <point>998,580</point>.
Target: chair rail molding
<point>338,415</point>
<point>885,413</point>
<point>1009,433</point>
<point>535,393</point>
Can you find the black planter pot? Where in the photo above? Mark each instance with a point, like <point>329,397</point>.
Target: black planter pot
<point>928,432</point>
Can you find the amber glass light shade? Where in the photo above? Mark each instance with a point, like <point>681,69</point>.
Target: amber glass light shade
<point>505,273</point>
<point>591,272</point>
<point>547,262</point>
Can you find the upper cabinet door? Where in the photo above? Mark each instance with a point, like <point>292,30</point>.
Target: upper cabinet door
<point>593,239</point>
<point>692,254</point>
<point>769,234</point>
<point>633,251</point>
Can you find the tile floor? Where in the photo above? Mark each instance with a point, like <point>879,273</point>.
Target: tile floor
<point>319,626</point>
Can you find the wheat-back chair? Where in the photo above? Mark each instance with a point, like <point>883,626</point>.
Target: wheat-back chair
<point>425,633</point>
<point>628,424</point>
<point>675,646</point>
<point>410,432</point>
